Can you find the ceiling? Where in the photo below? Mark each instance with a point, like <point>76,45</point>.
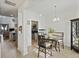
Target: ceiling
<point>44,7</point>
<point>8,10</point>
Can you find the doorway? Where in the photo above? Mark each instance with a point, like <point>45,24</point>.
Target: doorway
<point>8,30</point>
<point>34,29</point>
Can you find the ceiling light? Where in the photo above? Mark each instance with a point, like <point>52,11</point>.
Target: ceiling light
<point>11,15</point>
<point>55,18</point>
<point>10,3</point>
<point>40,15</point>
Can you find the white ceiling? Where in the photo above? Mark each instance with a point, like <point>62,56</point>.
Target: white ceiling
<point>45,7</point>
<point>7,10</point>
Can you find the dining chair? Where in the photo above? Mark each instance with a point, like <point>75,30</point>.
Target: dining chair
<point>60,38</point>
<point>44,45</point>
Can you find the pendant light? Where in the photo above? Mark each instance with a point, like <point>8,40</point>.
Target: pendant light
<point>56,18</point>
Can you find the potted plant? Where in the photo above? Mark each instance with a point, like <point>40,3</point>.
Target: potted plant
<point>50,31</point>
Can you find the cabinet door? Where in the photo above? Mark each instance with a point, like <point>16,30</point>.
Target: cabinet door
<point>77,30</point>
<point>75,33</point>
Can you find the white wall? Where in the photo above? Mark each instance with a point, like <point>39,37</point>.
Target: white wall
<point>4,20</point>
<point>24,19</point>
<point>68,12</point>
<point>78,8</point>
<point>8,20</point>
<point>64,25</point>
<point>20,34</point>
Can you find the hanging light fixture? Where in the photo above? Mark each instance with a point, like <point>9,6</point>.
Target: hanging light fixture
<point>56,18</point>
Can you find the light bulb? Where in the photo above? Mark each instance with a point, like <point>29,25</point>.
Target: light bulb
<point>56,19</point>
<point>40,15</point>
<point>2,28</point>
<point>6,28</point>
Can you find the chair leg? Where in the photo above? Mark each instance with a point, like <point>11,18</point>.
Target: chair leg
<point>51,50</point>
<point>38,51</point>
<point>56,46</point>
<point>59,46</point>
<point>45,52</point>
<point>63,44</point>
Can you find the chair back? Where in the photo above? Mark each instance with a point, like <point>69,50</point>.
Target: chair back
<point>41,39</point>
<point>58,34</point>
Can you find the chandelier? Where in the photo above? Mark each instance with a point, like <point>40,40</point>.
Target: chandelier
<point>56,18</point>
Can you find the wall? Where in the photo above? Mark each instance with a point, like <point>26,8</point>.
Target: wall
<point>26,15</point>
<point>25,38</point>
<point>64,25</point>
<point>7,20</point>
<point>4,19</point>
<point>78,8</point>
<point>20,34</point>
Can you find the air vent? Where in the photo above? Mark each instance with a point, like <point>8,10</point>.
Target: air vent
<point>10,3</point>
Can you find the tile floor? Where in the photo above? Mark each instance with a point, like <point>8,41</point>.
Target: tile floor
<point>9,51</point>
